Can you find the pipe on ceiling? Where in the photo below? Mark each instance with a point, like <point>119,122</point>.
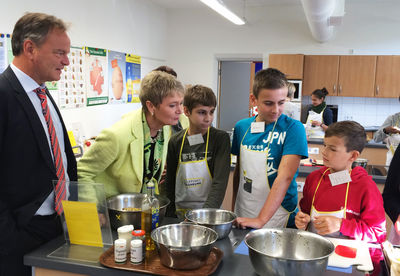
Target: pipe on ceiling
<point>323,16</point>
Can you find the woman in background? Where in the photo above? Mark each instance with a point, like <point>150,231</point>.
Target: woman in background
<point>319,115</point>
<point>291,109</point>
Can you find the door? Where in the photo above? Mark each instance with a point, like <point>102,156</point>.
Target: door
<point>387,77</point>
<point>319,72</point>
<point>357,76</point>
<point>234,93</point>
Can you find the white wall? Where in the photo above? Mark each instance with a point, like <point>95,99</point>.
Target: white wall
<point>200,36</point>
<point>130,26</point>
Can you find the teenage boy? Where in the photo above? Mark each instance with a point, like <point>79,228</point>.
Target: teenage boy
<point>338,200</point>
<point>268,147</point>
<point>198,159</point>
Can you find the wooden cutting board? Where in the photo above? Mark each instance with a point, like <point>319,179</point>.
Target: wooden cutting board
<point>362,260</point>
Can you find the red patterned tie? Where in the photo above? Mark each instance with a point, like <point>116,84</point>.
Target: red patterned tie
<point>60,191</point>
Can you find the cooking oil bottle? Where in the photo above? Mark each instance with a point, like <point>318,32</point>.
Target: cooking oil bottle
<point>150,214</point>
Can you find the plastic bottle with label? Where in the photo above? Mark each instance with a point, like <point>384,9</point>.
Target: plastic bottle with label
<point>150,214</point>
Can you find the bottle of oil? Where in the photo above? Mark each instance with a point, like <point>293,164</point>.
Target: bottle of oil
<point>150,214</point>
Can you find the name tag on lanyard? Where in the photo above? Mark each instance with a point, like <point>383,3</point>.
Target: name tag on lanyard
<point>257,127</point>
<point>340,177</point>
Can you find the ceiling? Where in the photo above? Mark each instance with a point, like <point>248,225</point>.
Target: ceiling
<point>184,4</point>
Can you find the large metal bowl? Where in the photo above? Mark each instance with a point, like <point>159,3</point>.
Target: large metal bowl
<point>288,252</point>
<point>217,219</point>
<point>132,201</point>
<point>184,246</point>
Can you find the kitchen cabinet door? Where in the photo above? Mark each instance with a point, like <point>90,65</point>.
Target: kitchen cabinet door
<point>357,76</point>
<point>319,72</point>
<point>290,65</point>
<point>387,84</point>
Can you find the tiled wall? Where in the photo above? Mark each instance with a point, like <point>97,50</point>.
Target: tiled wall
<point>366,111</point>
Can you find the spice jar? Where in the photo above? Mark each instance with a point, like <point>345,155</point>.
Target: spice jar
<point>124,232</point>
<point>140,234</point>
<point>120,251</point>
<point>136,251</point>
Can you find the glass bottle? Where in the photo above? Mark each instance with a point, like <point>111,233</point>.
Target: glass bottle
<point>150,215</point>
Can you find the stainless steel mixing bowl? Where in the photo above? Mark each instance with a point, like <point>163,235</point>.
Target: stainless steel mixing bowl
<point>133,202</point>
<point>184,246</point>
<point>216,219</point>
<point>288,252</point>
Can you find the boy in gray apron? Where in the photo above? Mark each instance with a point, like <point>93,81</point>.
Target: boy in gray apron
<point>198,160</point>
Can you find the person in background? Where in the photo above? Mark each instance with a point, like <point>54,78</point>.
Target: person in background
<point>291,109</point>
<point>268,147</point>
<point>319,115</point>
<point>340,201</point>
<point>389,132</point>
<point>34,145</point>
<point>126,156</point>
<point>391,193</point>
<point>198,160</point>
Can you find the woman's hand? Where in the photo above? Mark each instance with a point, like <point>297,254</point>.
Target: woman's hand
<point>397,225</point>
<point>316,123</point>
<point>327,224</point>
<point>301,220</point>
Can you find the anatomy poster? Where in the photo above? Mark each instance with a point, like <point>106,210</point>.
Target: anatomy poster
<point>96,76</point>
<point>133,64</point>
<point>116,77</point>
<point>3,53</point>
<point>71,87</point>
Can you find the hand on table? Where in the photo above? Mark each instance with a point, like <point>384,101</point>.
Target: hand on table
<point>301,220</point>
<point>327,224</point>
<point>392,129</point>
<point>316,123</point>
<point>248,222</point>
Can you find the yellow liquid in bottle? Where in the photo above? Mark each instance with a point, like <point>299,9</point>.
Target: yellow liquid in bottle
<point>146,226</point>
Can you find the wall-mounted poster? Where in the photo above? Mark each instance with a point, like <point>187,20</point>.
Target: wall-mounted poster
<point>96,76</point>
<point>3,53</point>
<point>116,77</point>
<point>71,87</point>
<point>133,64</point>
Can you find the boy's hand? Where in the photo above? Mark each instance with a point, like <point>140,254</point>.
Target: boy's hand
<point>327,224</point>
<point>397,225</point>
<point>248,222</point>
<point>301,220</point>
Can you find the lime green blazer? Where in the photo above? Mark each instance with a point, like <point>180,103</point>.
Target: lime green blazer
<point>116,157</point>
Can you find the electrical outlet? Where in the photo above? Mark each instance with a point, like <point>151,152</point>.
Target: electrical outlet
<point>300,186</point>
<point>313,150</point>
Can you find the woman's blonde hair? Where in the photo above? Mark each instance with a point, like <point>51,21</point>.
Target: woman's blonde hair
<point>157,85</point>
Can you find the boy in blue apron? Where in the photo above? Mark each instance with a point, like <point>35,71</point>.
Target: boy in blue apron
<point>268,147</point>
<point>198,160</point>
<point>339,201</point>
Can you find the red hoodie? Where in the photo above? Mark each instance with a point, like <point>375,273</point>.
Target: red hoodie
<point>365,216</point>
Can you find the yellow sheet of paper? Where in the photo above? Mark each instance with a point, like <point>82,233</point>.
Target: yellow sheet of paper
<point>72,140</point>
<point>83,223</point>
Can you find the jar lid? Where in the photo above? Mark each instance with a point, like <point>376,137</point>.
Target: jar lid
<point>125,229</point>
<point>136,243</point>
<point>138,233</point>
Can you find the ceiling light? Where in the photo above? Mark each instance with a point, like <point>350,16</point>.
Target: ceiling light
<point>224,11</point>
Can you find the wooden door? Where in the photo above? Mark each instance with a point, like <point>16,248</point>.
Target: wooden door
<point>387,84</point>
<point>290,65</point>
<point>357,76</point>
<point>319,72</point>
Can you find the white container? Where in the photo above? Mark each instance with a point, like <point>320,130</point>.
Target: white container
<point>136,251</point>
<point>120,251</point>
<point>125,232</point>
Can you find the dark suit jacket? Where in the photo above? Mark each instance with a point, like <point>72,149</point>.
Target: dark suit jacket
<point>26,166</point>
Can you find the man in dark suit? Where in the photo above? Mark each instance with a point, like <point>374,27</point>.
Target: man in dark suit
<point>34,145</point>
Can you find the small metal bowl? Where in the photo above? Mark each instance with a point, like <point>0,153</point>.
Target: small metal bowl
<point>132,202</point>
<point>184,246</point>
<point>217,219</point>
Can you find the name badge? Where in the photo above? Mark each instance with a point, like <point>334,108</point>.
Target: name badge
<point>339,177</point>
<point>195,139</point>
<point>257,127</point>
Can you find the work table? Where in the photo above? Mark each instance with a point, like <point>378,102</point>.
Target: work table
<point>70,258</point>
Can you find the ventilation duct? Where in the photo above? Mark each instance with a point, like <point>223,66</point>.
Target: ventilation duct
<point>323,16</point>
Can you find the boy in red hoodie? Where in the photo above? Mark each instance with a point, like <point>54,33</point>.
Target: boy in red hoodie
<point>339,201</point>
